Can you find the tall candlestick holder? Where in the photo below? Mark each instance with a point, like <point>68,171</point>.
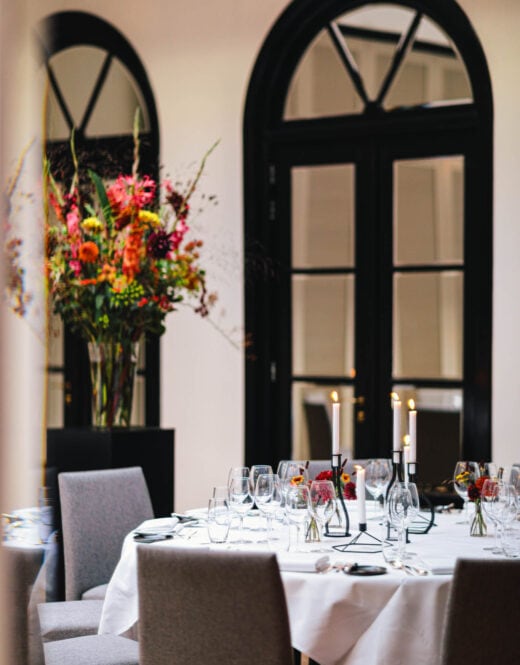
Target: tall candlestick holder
<point>363,543</point>
<point>422,524</point>
<point>342,530</point>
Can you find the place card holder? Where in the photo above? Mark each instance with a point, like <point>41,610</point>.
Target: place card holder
<point>342,530</point>
<point>422,524</point>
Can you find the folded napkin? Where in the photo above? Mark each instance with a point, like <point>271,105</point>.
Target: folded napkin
<point>300,563</point>
<point>441,565</point>
<point>161,526</point>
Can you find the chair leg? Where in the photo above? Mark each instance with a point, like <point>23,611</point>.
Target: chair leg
<point>305,660</point>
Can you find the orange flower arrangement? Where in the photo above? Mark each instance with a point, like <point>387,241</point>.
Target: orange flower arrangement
<point>117,257</point>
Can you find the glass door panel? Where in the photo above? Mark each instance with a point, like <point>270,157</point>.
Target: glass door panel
<point>323,325</point>
<point>429,211</point>
<point>322,206</point>
<point>312,412</point>
<point>427,336</point>
<point>439,430</point>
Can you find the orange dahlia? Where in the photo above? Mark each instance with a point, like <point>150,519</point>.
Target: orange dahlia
<point>88,252</point>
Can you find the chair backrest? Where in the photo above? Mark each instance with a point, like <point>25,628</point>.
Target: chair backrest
<point>197,606</point>
<point>98,508</point>
<point>483,615</point>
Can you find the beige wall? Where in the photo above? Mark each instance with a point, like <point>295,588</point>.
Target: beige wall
<point>497,24</point>
<point>199,57</point>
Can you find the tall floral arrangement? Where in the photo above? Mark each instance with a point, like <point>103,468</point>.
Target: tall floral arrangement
<point>118,259</point>
<point>118,256</point>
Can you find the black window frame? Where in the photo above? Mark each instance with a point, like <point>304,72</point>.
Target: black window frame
<point>268,376</point>
<point>56,33</point>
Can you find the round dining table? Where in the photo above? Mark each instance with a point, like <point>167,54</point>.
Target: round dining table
<point>337,616</point>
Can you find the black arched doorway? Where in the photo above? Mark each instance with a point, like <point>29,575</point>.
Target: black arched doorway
<point>382,299</point>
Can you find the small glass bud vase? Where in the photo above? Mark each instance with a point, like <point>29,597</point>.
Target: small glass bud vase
<point>478,524</point>
<point>312,531</point>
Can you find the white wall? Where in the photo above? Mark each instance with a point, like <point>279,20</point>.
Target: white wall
<point>199,57</point>
<point>497,24</point>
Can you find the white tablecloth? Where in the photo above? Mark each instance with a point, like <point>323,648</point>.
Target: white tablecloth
<point>339,619</point>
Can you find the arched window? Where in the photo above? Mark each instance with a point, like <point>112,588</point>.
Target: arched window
<point>95,82</point>
<point>368,195</point>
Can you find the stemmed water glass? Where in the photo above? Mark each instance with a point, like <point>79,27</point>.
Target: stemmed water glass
<point>377,476</point>
<point>238,471</point>
<point>288,469</point>
<point>464,475</point>
<point>268,498</point>
<point>240,500</point>
<point>499,502</point>
<point>297,501</point>
<point>322,501</point>
<point>403,507</point>
<point>256,471</point>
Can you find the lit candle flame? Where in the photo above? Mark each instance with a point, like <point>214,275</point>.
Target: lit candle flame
<point>406,439</point>
<point>334,396</point>
<point>411,405</point>
<point>394,397</point>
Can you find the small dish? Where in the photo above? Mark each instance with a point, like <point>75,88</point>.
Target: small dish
<point>365,571</point>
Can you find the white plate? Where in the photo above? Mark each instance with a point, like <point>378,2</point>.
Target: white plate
<point>158,526</point>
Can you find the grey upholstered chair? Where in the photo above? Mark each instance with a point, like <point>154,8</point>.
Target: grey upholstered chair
<point>98,509</point>
<point>198,606</point>
<point>59,620</point>
<point>483,614</point>
<point>92,650</point>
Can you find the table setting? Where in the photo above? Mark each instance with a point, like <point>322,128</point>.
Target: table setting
<point>360,580</point>
<point>345,607</point>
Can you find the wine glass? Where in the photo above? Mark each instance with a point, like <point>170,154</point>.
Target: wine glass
<point>288,469</point>
<point>377,476</point>
<point>297,503</point>
<point>240,500</point>
<point>256,471</point>
<point>403,507</point>
<point>499,504</point>
<point>268,498</point>
<point>322,499</point>
<point>464,475</point>
<point>238,471</point>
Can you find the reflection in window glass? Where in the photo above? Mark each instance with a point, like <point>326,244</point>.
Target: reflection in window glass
<point>439,435</point>
<point>114,111</point>
<point>429,211</point>
<point>54,412</point>
<point>321,86</point>
<point>323,216</point>
<point>323,325</point>
<point>312,420</point>
<point>432,72</point>
<point>427,339</point>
